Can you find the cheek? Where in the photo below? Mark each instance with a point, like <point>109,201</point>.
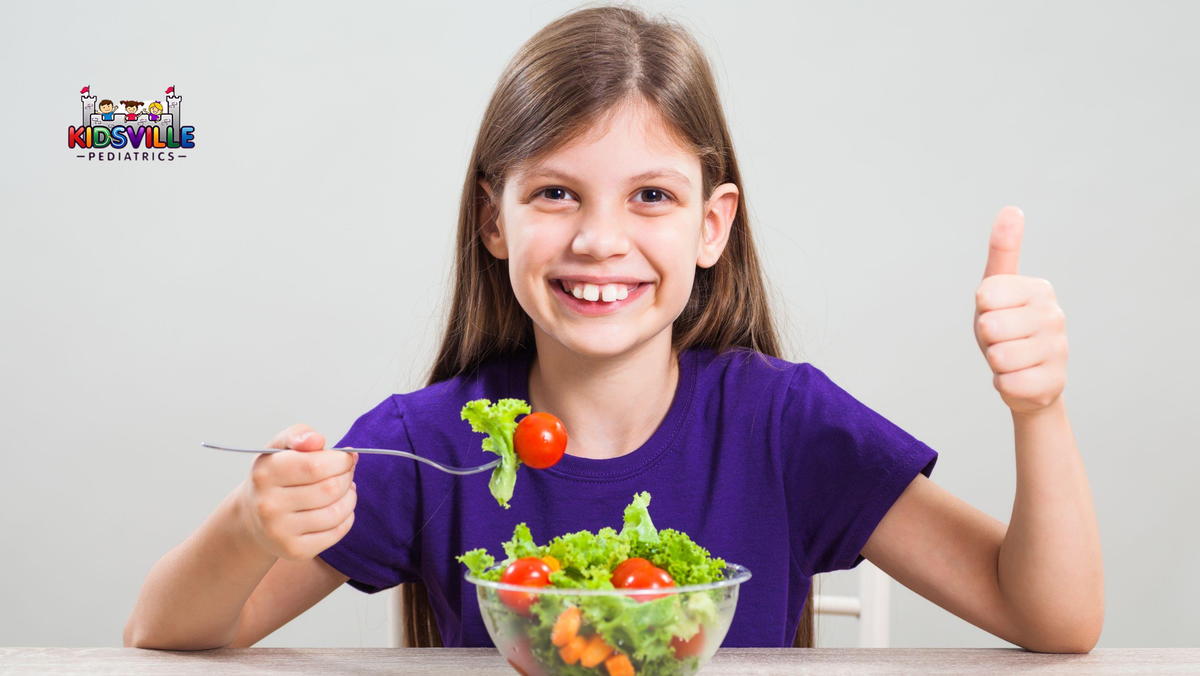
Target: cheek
<point>533,242</point>
<point>532,249</point>
<point>673,248</point>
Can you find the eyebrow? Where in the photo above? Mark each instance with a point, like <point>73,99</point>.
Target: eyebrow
<point>551,172</point>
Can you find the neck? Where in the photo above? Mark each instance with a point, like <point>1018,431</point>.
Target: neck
<point>610,405</point>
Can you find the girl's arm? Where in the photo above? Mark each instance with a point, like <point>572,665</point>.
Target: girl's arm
<point>251,566</point>
<point>193,597</point>
<point>1050,561</point>
<point>220,589</point>
<point>1039,582</point>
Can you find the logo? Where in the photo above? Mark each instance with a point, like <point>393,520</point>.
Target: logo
<point>130,130</point>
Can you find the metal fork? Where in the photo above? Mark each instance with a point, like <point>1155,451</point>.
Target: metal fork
<point>461,471</point>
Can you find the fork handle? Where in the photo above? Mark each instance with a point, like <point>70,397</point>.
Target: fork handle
<point>459,471</point>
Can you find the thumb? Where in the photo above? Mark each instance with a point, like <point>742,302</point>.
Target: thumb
<point>1004,247</point>
<point>307,441</point>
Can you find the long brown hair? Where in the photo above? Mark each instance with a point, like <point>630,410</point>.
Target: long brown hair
<point>566,77</point>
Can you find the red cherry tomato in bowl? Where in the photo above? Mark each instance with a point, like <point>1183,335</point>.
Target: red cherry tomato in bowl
<point>689,648</point>
<point>627,565</point>
<point>540,440</point>
<point>529,571</point>
<point>644,577</point>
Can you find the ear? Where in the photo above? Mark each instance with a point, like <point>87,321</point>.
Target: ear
<point>490,227</point>
<point>719,212</point>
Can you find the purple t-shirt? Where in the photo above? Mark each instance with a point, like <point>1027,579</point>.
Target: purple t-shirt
<point>764,462</point>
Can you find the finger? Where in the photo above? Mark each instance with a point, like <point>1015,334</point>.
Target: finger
<point>1015,355</point>
<point>323,540</point>
<point>298,437</point>
<point>316,495</point>
<point>997,326</point>
<point>1004,247</point>
<point>301,468</point>
<point>323,518</point>
<point>1004,291</point>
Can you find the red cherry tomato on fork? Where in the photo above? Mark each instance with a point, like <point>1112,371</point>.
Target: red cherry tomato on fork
<point>540,440</point>
<point>529,571</point>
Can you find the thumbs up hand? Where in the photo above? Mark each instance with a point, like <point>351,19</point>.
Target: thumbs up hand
<point>1018,323</point>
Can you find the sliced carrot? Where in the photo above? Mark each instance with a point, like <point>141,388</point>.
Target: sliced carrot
<point>619,665</point>
<point>571,651</point>
<point>552,562</point>
<point>595,652</point>
<point>566,627</point>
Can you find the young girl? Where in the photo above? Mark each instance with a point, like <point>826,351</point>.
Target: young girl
<point>606,274</point>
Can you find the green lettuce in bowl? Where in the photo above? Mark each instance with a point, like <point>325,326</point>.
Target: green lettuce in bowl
<point>575,620</point>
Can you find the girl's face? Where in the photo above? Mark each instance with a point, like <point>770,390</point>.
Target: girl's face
<point>620,207</point>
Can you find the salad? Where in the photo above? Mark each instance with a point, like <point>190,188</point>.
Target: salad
<point>619,634</point>
<point>539,440</point>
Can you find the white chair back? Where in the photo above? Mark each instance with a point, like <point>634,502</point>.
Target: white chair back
<point>871,606</point>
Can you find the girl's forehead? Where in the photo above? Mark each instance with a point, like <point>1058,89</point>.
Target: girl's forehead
<point>633,139</point>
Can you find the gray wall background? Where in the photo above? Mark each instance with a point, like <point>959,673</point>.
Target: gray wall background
<point>295,270</point>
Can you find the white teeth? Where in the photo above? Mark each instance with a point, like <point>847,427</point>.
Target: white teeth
<point>607,293</point>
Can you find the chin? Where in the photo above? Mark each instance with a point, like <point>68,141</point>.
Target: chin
<point>598,344</point>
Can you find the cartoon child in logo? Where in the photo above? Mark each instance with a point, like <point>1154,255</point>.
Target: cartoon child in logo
<point>106,110</point>
<point>131,109</point>
<point>155,109</point>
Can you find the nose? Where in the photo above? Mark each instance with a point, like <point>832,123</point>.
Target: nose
<point>602,234</point>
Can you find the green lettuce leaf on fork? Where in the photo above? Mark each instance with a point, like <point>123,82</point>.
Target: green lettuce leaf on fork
<point>499,422</point>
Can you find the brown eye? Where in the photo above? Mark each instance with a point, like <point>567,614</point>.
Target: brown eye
<point>654,195</point>
<point>556,192</point>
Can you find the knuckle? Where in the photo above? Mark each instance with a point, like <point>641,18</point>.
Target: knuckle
<point>260,475</point>
<point>265,510</point>
<point>334,512</point>
<point>310,465</point>
<point>329,487</point>
<point>984,327</point>
<point>995,355</point>
<point>1000,382</point>
<point>981,296</point>
<point>1058,317</point>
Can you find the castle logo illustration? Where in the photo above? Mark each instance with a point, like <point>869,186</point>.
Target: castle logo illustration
<point>143,132</point>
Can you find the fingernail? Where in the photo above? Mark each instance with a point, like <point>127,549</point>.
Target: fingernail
<point>353,485</point>
<point>299,439</point>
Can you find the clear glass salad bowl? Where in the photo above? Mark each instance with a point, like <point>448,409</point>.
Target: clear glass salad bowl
<point>609,632</point>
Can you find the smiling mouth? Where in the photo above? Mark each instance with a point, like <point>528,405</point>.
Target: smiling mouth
<point>596,293</point>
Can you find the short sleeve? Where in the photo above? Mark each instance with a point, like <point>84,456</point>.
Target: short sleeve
<point>379,551</point>
<point>845,465</point>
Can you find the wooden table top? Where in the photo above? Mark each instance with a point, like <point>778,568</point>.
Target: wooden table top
<point>734,661</point>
